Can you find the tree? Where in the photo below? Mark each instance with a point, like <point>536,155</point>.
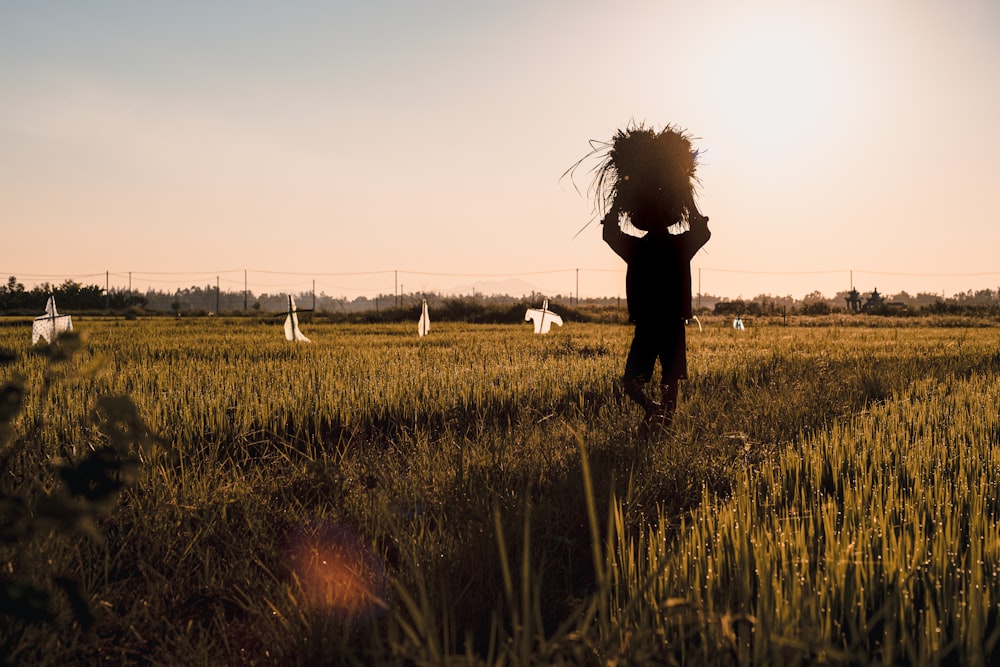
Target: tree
<point>815,303</point>
<point>13,296</point>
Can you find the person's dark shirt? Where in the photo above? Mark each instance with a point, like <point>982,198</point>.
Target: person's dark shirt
<point>658,280</point>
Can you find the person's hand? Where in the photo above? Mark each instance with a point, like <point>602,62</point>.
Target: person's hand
<point>610,227</point>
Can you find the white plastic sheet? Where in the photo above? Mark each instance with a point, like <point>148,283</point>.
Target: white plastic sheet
<point>51,324</point>
<point>424,325</point>
<point>543,318</point>
<point>292,324</point>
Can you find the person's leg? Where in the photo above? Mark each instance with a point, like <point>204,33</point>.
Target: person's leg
<point>639,370</point>
<point>673,361</point>
<point>636,390</point>
<point>668,402</point>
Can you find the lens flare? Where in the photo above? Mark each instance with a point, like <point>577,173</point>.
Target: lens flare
<point>336,570</point>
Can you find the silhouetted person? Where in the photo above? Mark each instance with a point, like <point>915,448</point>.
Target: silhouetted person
<point>648,179</point>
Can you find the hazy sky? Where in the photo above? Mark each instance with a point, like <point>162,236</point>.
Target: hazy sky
<point>340,141</point>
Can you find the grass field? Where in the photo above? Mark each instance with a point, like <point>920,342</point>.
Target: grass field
<point>826,495</point>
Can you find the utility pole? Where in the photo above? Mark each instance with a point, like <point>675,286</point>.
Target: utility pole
<point>395,288</point>
<point>216,295</point>
<point>578,287</point>
<point>699,287</point>
<point>107,290</point>
<point>244,289</point>
<point>314,294</point>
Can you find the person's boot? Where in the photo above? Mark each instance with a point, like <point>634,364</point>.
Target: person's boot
<point>637,392</point>
<point>664,416</point>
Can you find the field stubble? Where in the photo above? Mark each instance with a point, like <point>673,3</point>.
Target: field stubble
<point>490,495</point>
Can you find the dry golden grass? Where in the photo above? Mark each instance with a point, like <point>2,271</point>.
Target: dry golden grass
<point>483,495</point>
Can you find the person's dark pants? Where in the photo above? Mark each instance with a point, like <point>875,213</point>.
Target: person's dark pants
<point>663,340</point>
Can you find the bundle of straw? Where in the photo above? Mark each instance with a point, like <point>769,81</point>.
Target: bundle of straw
<point>647,176</point>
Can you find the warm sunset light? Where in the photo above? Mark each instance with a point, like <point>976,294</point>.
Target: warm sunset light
<point>777,86</point>
<point>167,145</point>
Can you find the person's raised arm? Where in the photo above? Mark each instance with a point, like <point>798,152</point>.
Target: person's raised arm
<point>698,233</point>
<point>613,235</point>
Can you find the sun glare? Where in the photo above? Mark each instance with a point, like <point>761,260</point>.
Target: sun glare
<point>335,570</point>
<point>774,85</point>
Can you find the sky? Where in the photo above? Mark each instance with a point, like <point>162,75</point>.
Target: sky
<point>366,147</point>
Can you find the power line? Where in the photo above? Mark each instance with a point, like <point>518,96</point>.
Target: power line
<point>247,278</point>
<point>321,273</point>
<point>486,275</point>
<point>779,273</point>
<point>929,275</point>
<point>145,274</point>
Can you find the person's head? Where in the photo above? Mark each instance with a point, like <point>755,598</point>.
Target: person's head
<point>648,176</point>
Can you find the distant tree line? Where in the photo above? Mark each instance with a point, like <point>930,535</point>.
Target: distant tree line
<point>208,299</point>
<point>983,302</point>
<point>195,300</point>
<point>69,295</point>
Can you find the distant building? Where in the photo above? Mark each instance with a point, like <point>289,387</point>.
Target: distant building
<point>874,301</point>
<point>853,300</point>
